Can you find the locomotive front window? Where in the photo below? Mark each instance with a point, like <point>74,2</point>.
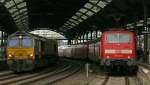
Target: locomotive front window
<point>27,42</point>
<point>118,38</point>
<point>13,43</point>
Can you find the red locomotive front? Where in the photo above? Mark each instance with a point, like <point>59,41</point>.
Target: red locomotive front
<point>118,48</point>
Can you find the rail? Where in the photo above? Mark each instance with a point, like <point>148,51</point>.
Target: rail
<point>44,77</point>
<point>143,74</point>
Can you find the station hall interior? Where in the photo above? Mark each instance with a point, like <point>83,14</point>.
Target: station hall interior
<point>75,22</point>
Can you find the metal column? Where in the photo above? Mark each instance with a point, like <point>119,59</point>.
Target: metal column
<point>145,35</point>
<point>87,46</point>
<point>91,35</point>
<point>69,42</point>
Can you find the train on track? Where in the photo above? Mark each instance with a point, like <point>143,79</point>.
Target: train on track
<point>115,48</point>
<point>26,51</point>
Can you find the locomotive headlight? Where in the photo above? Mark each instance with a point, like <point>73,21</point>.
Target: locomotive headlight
<point>31,55</point>
<point>107,56</point>
<point>20,37</point>
<point>128,57</point>
<point>10,55</point>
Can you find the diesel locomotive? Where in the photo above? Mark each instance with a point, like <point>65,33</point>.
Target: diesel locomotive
<point>26,51</point>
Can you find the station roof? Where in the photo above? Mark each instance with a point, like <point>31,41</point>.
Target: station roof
<point>72,17</point>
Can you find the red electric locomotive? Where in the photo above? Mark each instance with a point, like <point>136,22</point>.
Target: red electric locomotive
<point>118,48</point>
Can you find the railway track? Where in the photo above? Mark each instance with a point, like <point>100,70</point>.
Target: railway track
<point>47,76</point>
<point>127,81</point>
<point>53,77</point>
<point>119,81</point>
<point>22,77</point>
<point>66,74</point>
<point>5,73</point>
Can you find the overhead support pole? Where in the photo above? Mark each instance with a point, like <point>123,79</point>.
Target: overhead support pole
<point>91,35</point>
<point>85,37</point>
<point>80,39</point>
<point>77,40</point>
<point>145,35</point>
<point>69,41</point>
<point>2,40</point>
<point>96,34</point>
<point>87,46</point>
<point>73,41</point>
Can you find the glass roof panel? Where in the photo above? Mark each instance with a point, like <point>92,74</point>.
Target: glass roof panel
<point>24,18</point>
<point>139,24</point>
<point>15,14</point>
<point>88,5</point>
<point>78,13</point>
<point>96,9</point>
<point>93,1</point>
<point>9,4</point>
<point>23,15</point>
<point>83,10</point>
<point>17,17</point>
<point>18,11</point>
<point>84,17</point>
<point>75,17</point>
<point>148,22</point>
<point>66,24</point>
<point>90,13</point>
<point>89,9</point>
<point>141,21</point>
<point>80,20</point>
<point>18,1</point>
<point>76,22</point>
<point>72,24</point>
<point>48,34</point>
<point>68,27</point>
<point>102,4</point>
<point>71,20</point>
<point>108,0</point>
<point>23,10</point>
<point>21,5</point>
<point>2,1</point>
<point>12,9</point>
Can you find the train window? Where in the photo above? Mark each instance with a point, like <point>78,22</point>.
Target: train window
<point>27,42</point>
<point>118,38</point>
<point>13,43</point>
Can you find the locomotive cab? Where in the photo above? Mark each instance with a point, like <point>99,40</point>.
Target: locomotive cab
<point>19,47</point>
<point>118,48</point>
<point>20,53</point>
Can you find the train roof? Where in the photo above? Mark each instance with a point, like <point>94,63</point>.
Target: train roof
<point>115,29</point>
<point>24,33</point>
